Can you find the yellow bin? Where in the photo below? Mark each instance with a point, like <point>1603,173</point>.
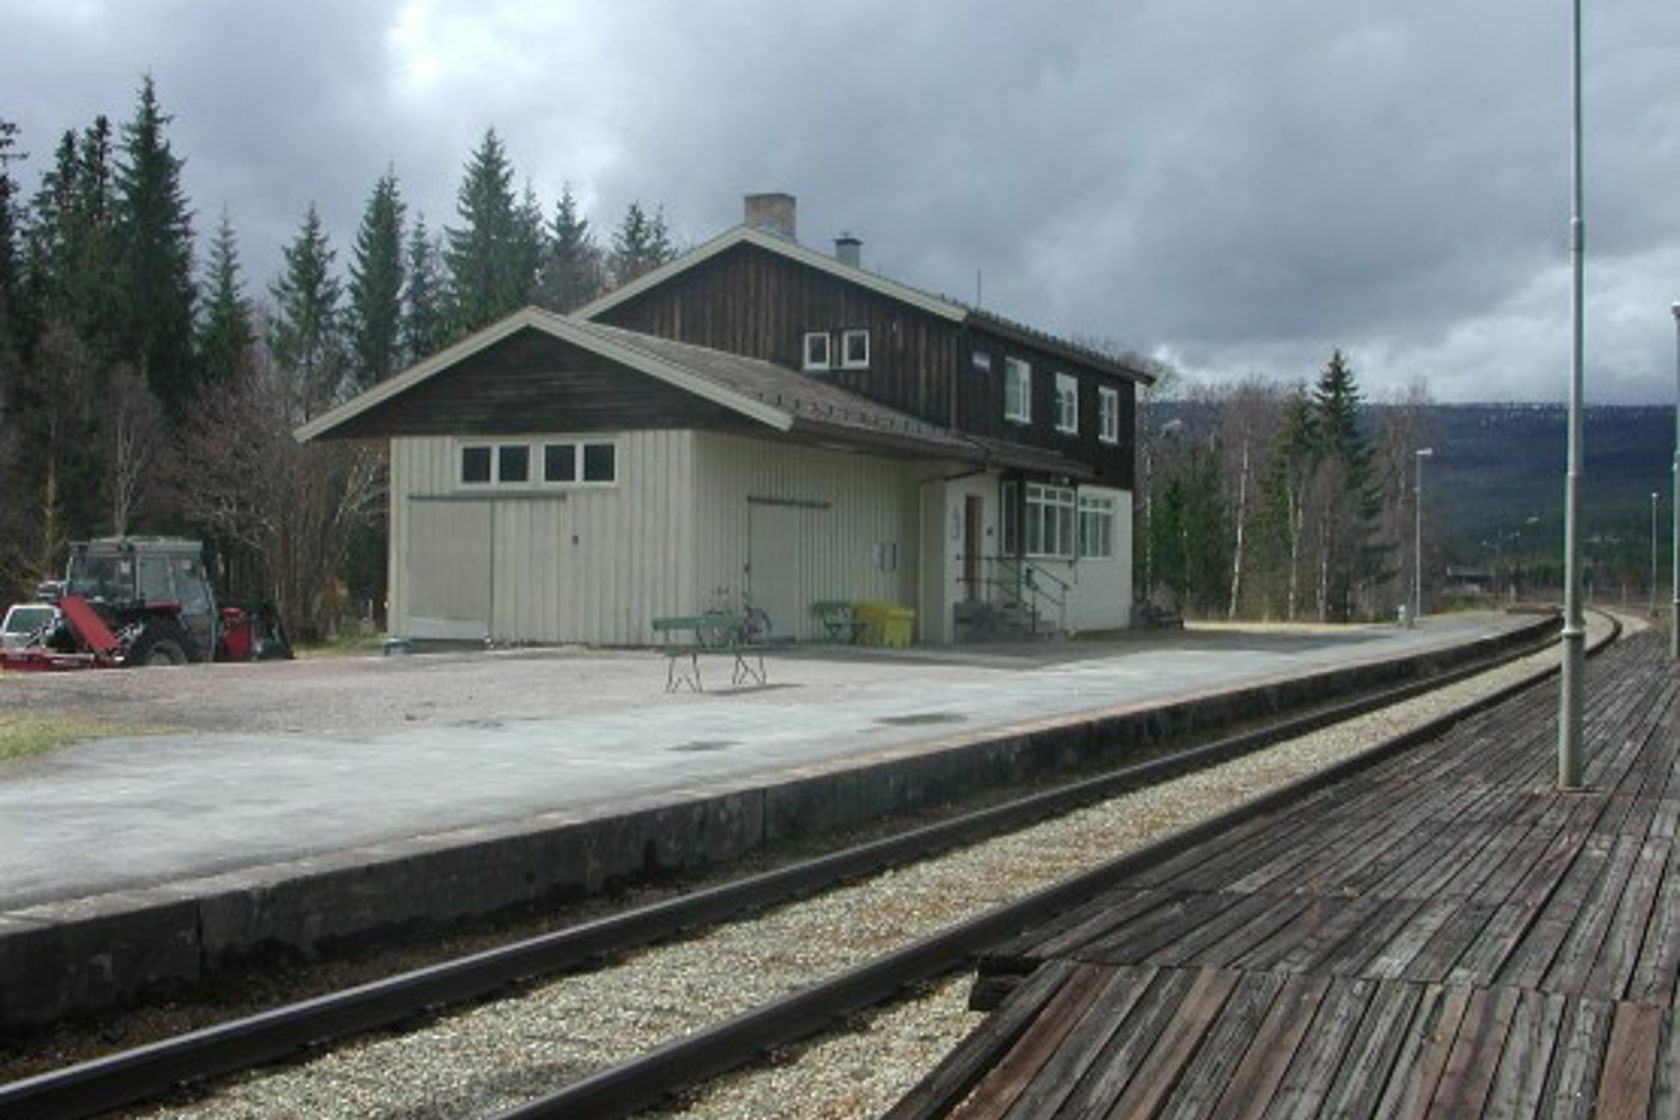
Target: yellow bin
<point>885,624</point>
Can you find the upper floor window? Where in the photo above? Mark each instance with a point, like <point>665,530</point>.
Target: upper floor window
<point>1067,403</point>
<point>854,350</point>
<point>1108,414</point>
<point>818,353</point>
<point>1017,391</point>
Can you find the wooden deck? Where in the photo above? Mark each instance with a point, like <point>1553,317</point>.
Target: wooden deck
<point>1441,935</point>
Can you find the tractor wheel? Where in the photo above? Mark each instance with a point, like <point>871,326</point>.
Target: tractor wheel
<point>162,643</point>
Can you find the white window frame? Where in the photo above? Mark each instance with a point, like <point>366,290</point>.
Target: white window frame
<point>1108,414</point>
<point>826,360</point>
<point>1096,527</point>
<point>1067,404</point>
<point>1017,391</point>
<point>1009,518</point>
<point>846,340</point>
<point>494,447</point>
<point>579,445</point>
<point>1051,522</point>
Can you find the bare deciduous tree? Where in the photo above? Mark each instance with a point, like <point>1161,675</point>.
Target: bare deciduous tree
<point>135,437</point>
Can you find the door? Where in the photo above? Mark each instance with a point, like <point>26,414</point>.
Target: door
<point>974,510</point>
<point>448,557</point>
<point>777,536</point>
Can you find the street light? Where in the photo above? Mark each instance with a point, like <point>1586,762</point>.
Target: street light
<point>1417,536</point>
<point>1653,554</point>
<point>1674,512</point>
<point>1574,645</point>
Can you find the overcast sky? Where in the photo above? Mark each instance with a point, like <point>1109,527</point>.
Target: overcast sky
<point>1234,186</point>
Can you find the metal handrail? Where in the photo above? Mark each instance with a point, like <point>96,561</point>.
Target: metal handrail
<point>1026,577</point>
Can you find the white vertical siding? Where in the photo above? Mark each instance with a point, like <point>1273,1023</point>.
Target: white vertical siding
<point>843,506</point>
<point>583,564</point>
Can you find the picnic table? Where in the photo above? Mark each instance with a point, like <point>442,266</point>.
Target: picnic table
<point>744,636</point>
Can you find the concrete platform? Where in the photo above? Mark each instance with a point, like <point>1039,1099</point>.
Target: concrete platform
<point>133,865</point>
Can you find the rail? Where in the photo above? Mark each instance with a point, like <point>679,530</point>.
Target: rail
<point>135,1075</point>
<point>1029,587</point>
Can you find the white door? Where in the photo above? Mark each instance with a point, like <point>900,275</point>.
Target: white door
<point>779,538</point>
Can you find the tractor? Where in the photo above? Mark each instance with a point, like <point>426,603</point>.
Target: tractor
<point>128,601</point>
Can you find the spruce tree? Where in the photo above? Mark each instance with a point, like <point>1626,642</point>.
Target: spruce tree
<point>225,332</point>
<point>155,251</point>
<point>571,271</point>
<point>530,245</point>
<point>375,315</point>
<point>640,244</point>
<point>1350,560</point>
<point>11,249</point>
<point>423,327</point>
<point>483,254</point>
<point>304,336</point>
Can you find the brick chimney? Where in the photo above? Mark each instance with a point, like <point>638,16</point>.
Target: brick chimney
<point>773,213</point>
<point>848,250</point>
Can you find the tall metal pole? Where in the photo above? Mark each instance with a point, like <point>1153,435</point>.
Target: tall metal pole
<point>1417,535</point>
<point>1674,512</point>
<point>1653,554</point>
<point>1574,624</point>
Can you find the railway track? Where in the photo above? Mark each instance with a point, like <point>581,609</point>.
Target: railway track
<point>218,1052</point>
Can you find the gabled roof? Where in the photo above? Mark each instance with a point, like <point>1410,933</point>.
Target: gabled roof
<point>785,401</point>
<point>749,235</point>
<point>951,310</point>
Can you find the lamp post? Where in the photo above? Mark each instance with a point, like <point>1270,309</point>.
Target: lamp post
<point>1653,554</point>
<point>1574,657</point>
<point>1674,511</point>
<point>1417,535</point>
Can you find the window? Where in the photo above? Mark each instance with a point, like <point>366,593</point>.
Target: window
<point>1108,415</point>
<point>817,351</point>
<point>513,463</point>
<point>475,465</point>
<point>568,463</point>
<point>981,362</point>
<point>1050,521</point>
<point>600,462</point>
<point>1096,528</point>
<point>1009,504</point>
<point>854,350</point>
<point>1067,403</point>
<point>1017,391</point>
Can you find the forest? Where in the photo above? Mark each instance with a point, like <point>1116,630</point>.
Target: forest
<point>142,392</point>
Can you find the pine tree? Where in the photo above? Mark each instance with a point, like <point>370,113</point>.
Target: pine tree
<point>11,259</point>
<point>571,273</point>
<point>640,244</point>
<point>483,255</point>
<point>225,333</point>
<point>1349,560</point>
<point>47,247</point>
<point>155,251</point>
<point>423,325</point>
<point>304,337</point>
<point>530,246</point>
<point>374,323</point>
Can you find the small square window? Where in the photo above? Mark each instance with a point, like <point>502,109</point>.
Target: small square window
<point>560,462</point>
<point>854,349</point>
<point>600,462</point>
<point>475,465</point>
<point>817,354</point>
<point>513,463</point>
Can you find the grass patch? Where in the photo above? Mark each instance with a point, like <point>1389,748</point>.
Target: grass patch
<point>25,735</point>
<point>342,645</point>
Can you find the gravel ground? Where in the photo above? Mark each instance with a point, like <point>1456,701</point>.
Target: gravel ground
<point>490,1057</point>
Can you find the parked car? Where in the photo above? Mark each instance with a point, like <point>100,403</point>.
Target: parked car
<point>23,621</point>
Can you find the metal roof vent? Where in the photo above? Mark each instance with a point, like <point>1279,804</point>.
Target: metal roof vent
<point>848,250</point>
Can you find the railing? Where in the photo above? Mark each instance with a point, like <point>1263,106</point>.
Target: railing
<point>1026,586</point>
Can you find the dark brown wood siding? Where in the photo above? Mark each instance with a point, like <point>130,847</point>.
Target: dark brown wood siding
<point>749,301</point>
<point>981,406</point>
<point>533,382</point>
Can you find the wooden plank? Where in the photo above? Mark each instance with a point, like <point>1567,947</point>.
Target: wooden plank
<point>1654,974</point>
<point>1580,950</point>
<point>1180,1040</point>
<point>1094,1076</point>
<point>1250,1090</point>
<point>1572,1082</point>
<point>1474,1059</point>
<point>1630,925</point>
<point>1309,1077</point>
<point>1418,1066</point>
<point>1198,1091</point>
<point>1545,937</point>
<point>1520,1081</point>
<point>947,1083</point>
<point>1626,1086</point>
<point>1372,1054</point>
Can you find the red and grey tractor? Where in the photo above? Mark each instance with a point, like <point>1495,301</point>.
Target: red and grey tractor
<point>143,601</point>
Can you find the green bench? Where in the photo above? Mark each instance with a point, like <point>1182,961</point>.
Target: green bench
<point>683,638</point>
<point>838,620</point>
